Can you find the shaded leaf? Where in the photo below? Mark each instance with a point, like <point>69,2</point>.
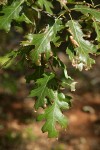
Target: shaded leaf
<point>42,91</point>
<point>47,4</point>
<point>69,1</point>
<point>12,13</point>
<point>86,10</point>
<point>67,81</point>
<point>97,29</point>
<point>23,17</point>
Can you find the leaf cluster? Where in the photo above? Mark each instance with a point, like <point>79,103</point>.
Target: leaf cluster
<point>47,26</point>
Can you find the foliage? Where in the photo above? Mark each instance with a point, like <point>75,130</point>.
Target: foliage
<point>47,26</point>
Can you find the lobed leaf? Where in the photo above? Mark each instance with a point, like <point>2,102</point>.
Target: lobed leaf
<point>42,91</point>
<point>79,53</point>
<point>11,13</point>
<point>42,41</point>
<point>54,115</point>
<point>47,4</point>
<point>86,10</point>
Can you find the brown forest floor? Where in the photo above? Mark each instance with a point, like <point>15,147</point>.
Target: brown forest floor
<point>20,131</point>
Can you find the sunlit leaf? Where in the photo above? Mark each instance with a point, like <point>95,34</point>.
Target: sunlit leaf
<point>82,48</point>
<point>42,41</point>
<point>54,115</point>
<point>6,60</point>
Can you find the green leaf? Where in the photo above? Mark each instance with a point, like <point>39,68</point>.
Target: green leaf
<point>69,1</point>
<point>60,64</point>
<point>86,10</point>
<point>42,91</point>
<point>24,18</point>
<point>97,29</point>
<point>12,13</point>
<point>79,54</point>
<point>43,41</point>
<point>38,73</point>
<point>47,4</point>
<point>6,61</point>
<point>54,115</point>
<point>67,81</point>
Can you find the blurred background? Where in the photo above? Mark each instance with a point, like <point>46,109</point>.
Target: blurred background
<point>18,127</point>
